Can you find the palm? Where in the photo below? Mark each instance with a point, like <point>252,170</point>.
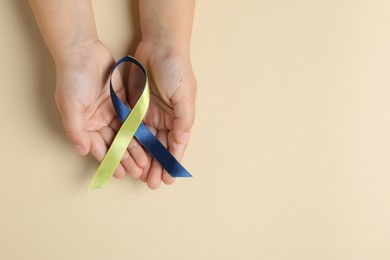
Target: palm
<point>160,114</point>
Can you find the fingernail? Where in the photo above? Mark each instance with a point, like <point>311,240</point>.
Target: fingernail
<point>80,149</point>
<point>183,138</point>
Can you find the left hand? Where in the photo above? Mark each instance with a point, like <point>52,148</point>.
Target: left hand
<point>171,110</point>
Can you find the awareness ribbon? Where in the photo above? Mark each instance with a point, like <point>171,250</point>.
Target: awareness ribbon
<point>132,125</point>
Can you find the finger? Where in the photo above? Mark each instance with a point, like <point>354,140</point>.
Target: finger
<point>74,126</point>
<point>127,161</point>
<point>166,177</point>
<point>179,136</point>
<point>99,150</point>
<point>156,170</point>
<point>146,169</point>
<point>184,111</point>
<point>135,149</point>
<point>131,166</point>
<point>138,153</point>
<point>154,175</point>
<point>177,150</point>
<point>144,176</point>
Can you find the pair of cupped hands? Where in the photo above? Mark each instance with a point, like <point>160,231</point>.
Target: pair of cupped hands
<point>89,119</point>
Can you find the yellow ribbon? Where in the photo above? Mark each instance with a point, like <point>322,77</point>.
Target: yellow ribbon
<point>121,141</point>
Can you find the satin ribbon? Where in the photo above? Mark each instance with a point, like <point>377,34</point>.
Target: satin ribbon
<point>132,126</point>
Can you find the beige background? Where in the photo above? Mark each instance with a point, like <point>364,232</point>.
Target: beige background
<point>290,150</point>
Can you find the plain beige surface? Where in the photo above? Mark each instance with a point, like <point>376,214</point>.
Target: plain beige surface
<point>290,150</point>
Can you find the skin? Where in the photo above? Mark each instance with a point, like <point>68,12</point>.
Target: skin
<point>83,64</point>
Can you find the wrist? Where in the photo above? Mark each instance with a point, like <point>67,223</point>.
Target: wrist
<point>169,42</point>
<point>167,23</point>
<point>76,52</point>
<point>74,49</point>
<point>164,49</point>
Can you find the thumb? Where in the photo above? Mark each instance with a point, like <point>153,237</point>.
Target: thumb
<point>184,119</point>
<point>179,136</point>
<point>74,125</point>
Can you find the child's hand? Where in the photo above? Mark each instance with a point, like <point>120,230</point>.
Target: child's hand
<point>171,111</point>
<point>83,98</point>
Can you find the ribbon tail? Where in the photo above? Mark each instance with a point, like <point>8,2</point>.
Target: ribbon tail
<point>160,153</point>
